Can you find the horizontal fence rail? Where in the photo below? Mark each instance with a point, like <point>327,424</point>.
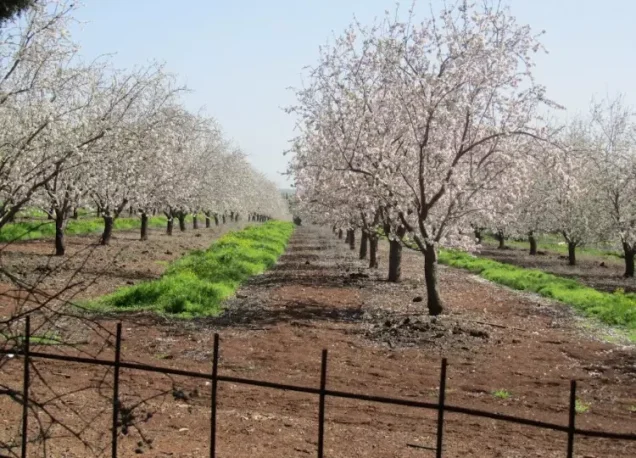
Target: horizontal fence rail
<point>322,392</point>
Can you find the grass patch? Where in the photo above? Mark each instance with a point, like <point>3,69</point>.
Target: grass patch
<point>196,284</point>
<point>48,338</point>
<point>581,407</point>
<point>31,230</point>
<point>616,309</point>
<point>501,394</point>
<point>555,244</point>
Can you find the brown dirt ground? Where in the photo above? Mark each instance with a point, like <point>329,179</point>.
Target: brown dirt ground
<point>602,273</point>
<point>318,297</point>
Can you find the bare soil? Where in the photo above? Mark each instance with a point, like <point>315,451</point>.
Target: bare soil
<point>380,342</point>
<point>604,274</point>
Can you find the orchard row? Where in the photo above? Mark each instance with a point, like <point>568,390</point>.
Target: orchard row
<point>433,132</point>
<point>84,134</point>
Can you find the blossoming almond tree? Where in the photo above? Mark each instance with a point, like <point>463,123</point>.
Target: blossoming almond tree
<point>34,50</point>
<point>614,157</point>
<point>440,109</point>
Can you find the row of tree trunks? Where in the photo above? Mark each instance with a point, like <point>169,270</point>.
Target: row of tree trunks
<point>369,246</point>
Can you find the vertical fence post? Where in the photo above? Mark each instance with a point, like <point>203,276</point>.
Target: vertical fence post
<point>440,411</point>
<point>572,418</point>
<point>116,390</point>
<point>321,406</point>
<point>215,365</point>
<point>25,388</point>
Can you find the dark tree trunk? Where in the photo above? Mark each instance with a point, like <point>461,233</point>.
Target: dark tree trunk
<point>630,251</point>
<point>339,233</point>
<point>144,226</point>
<point>571,253</point>
<point>364,244</point>
<point>395,261</point>
<point>395,255</point>
<point>373,251</point>
<point>195,222</point>
<point>216,219</point>
<point>60,247</point>
<point>502,240</point>
<point>99,211</point>
<point>75,215</point>
<point>352,239</point>
<point>533,243</point>
<point>478,235</point>
<point>223,219</point>
<point>182,225</point>
<point>208,223</point>
<point>108,230</point>
<point>434,302</point>
<point>170,225</point>
<point>130,212</point>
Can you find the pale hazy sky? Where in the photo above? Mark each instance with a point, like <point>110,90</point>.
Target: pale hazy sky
<point>239,57</point>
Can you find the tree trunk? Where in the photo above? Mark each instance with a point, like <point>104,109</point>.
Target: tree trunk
<point>533,243</point>
<point>216,219</point>
<point>223,219</point>
<point>395,261</point>
<point>60,248</point>
<point>144,226</point>
<point>108,230</point>
<point>352,239</point>
<point>208,223</point>
<point>339,233</point>
<point>434,302</point>
<point>75,215</point>
<point>395,254</point>
<point>364,244</point>
<point>195,222</point>
<point>502,240</point>
<point>182,225</point>
<point>130,212</point>
<point>571,253</point>
<point>99,211</point>
<point>478,235</point>
<point>170,225</point>
<point>373,251</point>
<point>629,260</point>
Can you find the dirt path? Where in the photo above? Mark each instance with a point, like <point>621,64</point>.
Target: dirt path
<point>379,343</point>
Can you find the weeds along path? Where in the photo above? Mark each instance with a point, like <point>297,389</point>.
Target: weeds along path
<point>319,296</point>
<point>98,270</point>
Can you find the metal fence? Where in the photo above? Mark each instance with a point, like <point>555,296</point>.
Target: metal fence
<point>322,392</point>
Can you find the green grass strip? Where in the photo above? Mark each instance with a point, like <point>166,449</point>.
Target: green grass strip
<point>196,284</point>
<point>555,245</point>
<point>616,309</point>
<point>32,230</point>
